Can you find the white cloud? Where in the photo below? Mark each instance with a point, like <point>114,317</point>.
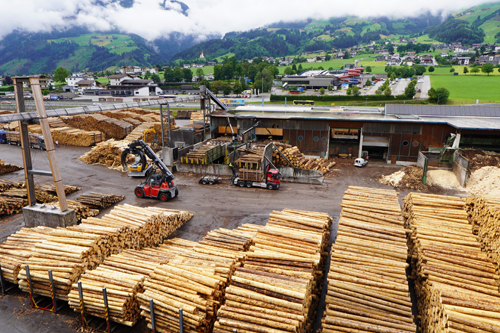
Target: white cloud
<point>147,19</point>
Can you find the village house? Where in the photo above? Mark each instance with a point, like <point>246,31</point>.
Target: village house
<point>117,79</point>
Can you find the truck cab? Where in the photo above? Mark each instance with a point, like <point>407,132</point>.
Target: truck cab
<point>273,179</point>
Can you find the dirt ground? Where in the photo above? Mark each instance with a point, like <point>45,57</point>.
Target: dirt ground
<point>213,207</point>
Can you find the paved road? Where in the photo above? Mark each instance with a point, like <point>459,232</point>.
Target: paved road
<point>213,207</point>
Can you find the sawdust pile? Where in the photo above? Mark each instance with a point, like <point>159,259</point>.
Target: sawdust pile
<point>408,178</point>
<point>443,178</point>
<point>480,158</point>
<point>485,182</point>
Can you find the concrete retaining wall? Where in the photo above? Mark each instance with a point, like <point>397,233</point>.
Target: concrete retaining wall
<point>461,168</point>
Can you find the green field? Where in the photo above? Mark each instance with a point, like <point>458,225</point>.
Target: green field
<point>116,43</point>
<point>469,87</point>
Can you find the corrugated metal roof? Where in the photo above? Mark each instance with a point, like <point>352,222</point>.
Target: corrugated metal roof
<point>482,123</point>
<point>440,110</point>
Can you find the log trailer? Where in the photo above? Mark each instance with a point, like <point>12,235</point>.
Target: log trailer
<point>35,140</point>
<point>157,185</point>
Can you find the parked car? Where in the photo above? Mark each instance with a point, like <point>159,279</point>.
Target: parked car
<point>360,162</point>
<point>179,104</point>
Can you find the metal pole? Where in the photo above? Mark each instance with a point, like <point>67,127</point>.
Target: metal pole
<point>169,127</point>
<point>152,313</point>
<point>234,331</point>
<point>80,295</point>
<point>162,130</point>
<point>106,309</point>
<point>1,280</point>
<point>181,321</point>
<point>52,292</point>
<point>28,279</point>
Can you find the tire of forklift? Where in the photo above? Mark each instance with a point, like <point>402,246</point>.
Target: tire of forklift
<point>211,182</point>
<point>163,196</point>
<point>241,183</point>
<point>270,187</point>
<point>139,192</point>
<point>176,192</point>
<point>248,184</point>
<point>203,181</point>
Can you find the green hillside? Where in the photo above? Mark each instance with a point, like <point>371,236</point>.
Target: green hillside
<point>115,43</point>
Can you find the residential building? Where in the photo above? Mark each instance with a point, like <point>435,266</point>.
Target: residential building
<point>487,58</point>
<point>83,85</point>
<point>130,69</point>
<point>135,88</point>
<point>117,79</point>
<point>462,60</point>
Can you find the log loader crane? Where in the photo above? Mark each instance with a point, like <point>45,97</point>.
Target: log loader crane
<point>158,184</point>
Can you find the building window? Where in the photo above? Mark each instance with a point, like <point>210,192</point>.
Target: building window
<point>405,143</point>
<point>376,128</point>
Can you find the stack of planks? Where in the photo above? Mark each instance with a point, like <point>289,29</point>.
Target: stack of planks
<point>456,284</point>
<point>196,116</point>
<point>16,250</point>
<point>107,153</point>
<point>100,200</point>
<point>367,285</point>
<point>278,286</point>
<point>55,122</point>
<point>82,211</point>
<point>72,250</point>
<point>298,159</point>
<point>125,270</point>
<point>484,215</point>
<point>71,136</point>
<point>195,281</point>
<point>6,167</point>
<point>111,127</point>
<point>10,205</point>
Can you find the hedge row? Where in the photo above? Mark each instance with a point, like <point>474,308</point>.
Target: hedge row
<point>7,88</point>
<point>326,98</point>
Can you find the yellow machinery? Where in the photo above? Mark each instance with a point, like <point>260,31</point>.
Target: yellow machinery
<point>140,167</point>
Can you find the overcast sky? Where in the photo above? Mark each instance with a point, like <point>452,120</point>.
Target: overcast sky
<point>148,20</point>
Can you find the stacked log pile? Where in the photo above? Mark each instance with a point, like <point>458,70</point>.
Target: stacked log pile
<point>107,153</point>
<point>123,276</point>
<point>199,153</point>
<point>484,216</point>
<point>196,116</point>
<point>16,250</point>
<point>456,284</point>
<point>82,211</point>
<point>71,136</point>
<point>278,286</point>
<point>71,251</point>
<point>7,184</point>
<point>51,189</point>
<point>367,285</point>
<point>111,127</point>
<point>100,200</point>
<point>6,167</point>
<point>10,205</point>
<point>298,159</point>
<point>41,196</point>
<point>195,281</point>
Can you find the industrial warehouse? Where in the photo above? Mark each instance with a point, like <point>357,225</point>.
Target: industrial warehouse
<point>251,219</point>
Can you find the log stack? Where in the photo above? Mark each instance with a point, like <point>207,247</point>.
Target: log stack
<point>277,287</point>
<point>82,211</point>
<point>41,196</point>
<point>367,285</point>
<point>125,270</point>
<point>11,205</point>
<point>112,128</point>
<point>7,184</point>
<point>195,281</point>
<point>16,250</point>
<point>107,153</point>
<point>100,200</point>
<point>6,167</point>
<point>71,136</point>
<point>484,216</point>
<point>51,189</point>
<point>71,251</point>
<point>298,159</point>
<point>456,284</point>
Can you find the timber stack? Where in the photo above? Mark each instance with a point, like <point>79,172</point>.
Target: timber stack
<point>7,184</point>
<point>16,250</point>
<point>367,285</point>
<point>298,160</point>
<point>125,270</point>
<point>100,200</point>
<point>6,167</point>
<point>107,153</point>
<point>195,281</point>
<point>51,189</point>
<point>455,283</point>
<point>484,216</point>
<point>75,249</point>
<point>277,286</point>
<point>11,205</point>
<point>82,211</point>
<point>112,128</point>
<point>70,136</point>
<point>41,196</point>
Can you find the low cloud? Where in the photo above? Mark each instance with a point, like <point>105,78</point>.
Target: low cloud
<point>149,19</point>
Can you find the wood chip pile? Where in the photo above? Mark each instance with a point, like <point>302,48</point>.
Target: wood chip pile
<point>99,200</point>
<point>112,128</point>
<point>16,250</point>
<point>484,215</point>
<point>278,286</point>
<point>124,276</point>
<point>455,283</point>
<point>367,285</point>
<point>195,281</point>
<point>298,159</point>
<point>71,251</point>
<point>6,167</point>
